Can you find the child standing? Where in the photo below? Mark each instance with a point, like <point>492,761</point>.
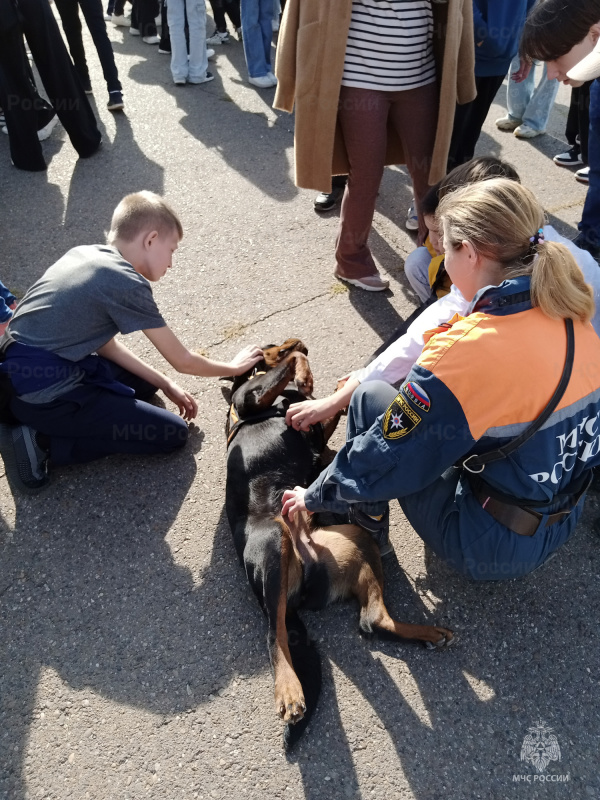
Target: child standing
<point>192,67</point>
<point>74,390</point>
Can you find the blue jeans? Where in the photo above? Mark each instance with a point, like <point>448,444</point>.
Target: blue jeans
<point>257,32</point>
<point>531,104</point>
<point>590,217</point>
<point>196,66</point>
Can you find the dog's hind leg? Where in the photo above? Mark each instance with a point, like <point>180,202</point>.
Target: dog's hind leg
<point>374,616</point>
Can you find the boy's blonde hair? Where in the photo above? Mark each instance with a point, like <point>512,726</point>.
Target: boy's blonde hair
<point>143,211</point>
<point>499,217</point>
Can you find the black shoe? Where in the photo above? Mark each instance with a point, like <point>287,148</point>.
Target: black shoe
<point>25,462</point>
<point>572,158</point>
<point>327,202</point>
<point>378,527</point>
<point>115,101</point>
<point>583,244</point>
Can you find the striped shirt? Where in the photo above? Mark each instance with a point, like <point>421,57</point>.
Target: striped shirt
<point>390,45</point>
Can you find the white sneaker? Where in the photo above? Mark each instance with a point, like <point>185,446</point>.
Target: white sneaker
<point>412,220</point>
<point>508,123</point>
<point>263,82</point>
<point>583,175</point>
<point>134,32</point>
<point>210,53</point>
<point>108,17</point>
<point>121,19</point>
<point>525,132</point>
<point>150,39</point>
<point>45,132</point>
<point>219,38</point>
<point>273,78</point>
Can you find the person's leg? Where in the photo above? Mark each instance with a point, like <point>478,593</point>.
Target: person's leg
<point>147,11</point>
<point>540,104</point>
<point>572,126</point>
<point>196,16</point>
<point>416,269</point>
<point>18,98</point>
<point>164,45</point>
<point>414,116</point>
<point>218,12</point>
<point>583,102</point>
<point>69,16</point>
<point>363,115</point>
<point>253,39</point>
<point>469,119</point>
<point>92,11</point>
<point>590,218</point>
<point>179,54</point>
<point>265,20</point>
<point>59,76</point>
<point>518,95</point>
<point>232,9</point>
<point>91,422</point>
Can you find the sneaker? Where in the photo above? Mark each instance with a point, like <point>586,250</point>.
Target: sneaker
<point>208,77</point>
<point>572,158</point>
<point>163,50</point>
<point>180,81</point>
<point>525,132</point>
<point>45,132</point>
<point>25,462</point>
<point>378,527</point>
<point>210,53</point>
<point>115,101</point>
<point>583,175</point>
<point>239,34</point>
<point>121,19</point>
<point>370,283</point>
<point>149,39</point>
<point>273,78</point>
<point>326,202</point>
<point>508,123</point>
<point>134,32</point>
<point>412,220</point>
<point>263,82</point>
<point>108,17</point>
<point>219,38</point>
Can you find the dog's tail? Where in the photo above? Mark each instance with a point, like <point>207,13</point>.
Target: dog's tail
<point>307,666</point>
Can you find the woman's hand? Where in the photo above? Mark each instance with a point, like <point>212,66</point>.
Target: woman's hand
<point>245,359</point>
<point>293,502</point>
<point>523,71</point>
<point>188,408</point>
<point>302,415</point>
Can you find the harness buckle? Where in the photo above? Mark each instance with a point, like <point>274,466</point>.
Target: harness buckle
<point>472,470</point>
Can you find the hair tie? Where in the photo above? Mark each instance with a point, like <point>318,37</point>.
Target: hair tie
<point>538,237</point>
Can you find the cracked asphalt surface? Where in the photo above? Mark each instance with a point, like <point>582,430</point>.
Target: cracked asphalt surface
<point>133,657</point>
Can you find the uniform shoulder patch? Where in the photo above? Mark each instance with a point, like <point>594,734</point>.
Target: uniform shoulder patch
<point>400,419</point>
<point>417,395</point>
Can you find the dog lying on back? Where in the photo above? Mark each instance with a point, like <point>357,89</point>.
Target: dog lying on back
<point>290,565</point>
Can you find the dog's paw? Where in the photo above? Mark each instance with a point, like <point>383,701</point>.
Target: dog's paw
<point>446,639</point>
<point>303,376</point>
<point>289,702</point>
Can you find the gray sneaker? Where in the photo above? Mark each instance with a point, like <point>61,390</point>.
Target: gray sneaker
<point>25,462</point>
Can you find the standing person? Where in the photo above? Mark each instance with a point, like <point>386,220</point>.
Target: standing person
<point>528,105</point>
<point>425,444</point>
<point>566,37</point>
<point>76,391</point>
<point>373,83</point>
<point>94,18</point>
<point>189,66</point>
<point>577,133</point>
<point>219,9</point>
<point>498,25</point>
<point>61,82</point>
<point>143,20</point>
<point>257,35</point>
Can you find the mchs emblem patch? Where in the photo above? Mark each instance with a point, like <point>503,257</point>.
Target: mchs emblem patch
<point>417,395</point>
<point>400,419</point>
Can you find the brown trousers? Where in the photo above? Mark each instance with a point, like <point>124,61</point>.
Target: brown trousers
<point>363,116</point>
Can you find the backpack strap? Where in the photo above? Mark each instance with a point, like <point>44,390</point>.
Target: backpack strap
<point>476,463</point>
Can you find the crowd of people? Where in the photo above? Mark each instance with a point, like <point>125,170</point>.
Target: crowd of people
<point>489,465</point>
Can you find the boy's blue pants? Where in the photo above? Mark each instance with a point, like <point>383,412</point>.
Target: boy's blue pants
<point>90,422</point>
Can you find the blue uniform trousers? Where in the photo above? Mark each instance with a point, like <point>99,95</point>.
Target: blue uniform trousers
<point>467,538</point>
<point>90,422</point>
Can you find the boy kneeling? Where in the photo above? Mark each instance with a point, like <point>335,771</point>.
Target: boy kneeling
<point>77,392</point>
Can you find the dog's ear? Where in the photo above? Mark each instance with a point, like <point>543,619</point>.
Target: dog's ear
<point>227,391</point>
<point>274,355</point>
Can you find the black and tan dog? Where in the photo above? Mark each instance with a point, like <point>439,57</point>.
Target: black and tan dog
<point>290,564</point>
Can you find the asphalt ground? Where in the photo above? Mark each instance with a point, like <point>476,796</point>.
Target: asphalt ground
<point>133,657</point>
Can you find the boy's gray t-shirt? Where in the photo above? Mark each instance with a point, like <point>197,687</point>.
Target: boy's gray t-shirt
<point>80,303</point>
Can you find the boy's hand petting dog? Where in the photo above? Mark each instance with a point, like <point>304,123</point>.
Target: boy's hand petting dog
<point>188,408</point>
<point>302,415</point>
<point>293,502</point>
<point>246,359</point>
